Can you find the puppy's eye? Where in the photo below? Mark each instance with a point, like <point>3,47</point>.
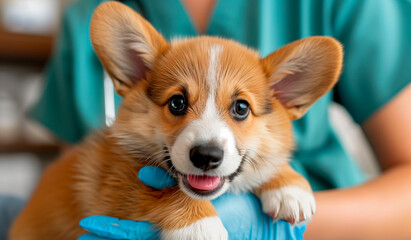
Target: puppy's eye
<point>240,110</point>
<point>177,105</point>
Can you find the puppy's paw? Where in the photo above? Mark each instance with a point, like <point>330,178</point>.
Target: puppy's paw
<point>292,204</point>
<point>203,229</point>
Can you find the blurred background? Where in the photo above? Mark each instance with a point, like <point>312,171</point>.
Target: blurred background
<point>27,30</point>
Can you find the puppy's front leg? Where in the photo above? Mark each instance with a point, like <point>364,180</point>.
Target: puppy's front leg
<point>287,196</point>
<point>182,217</point>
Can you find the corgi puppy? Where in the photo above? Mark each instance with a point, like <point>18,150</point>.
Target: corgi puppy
<point>210,111</point>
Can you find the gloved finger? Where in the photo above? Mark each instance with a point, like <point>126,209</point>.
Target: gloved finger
<point>243,217</point>
<point>114,228</point>
<point>156,177</point>
<point>285,230</point>
<point>90,236</point>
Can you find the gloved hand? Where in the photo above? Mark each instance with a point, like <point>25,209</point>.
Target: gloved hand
<point>241,215</point>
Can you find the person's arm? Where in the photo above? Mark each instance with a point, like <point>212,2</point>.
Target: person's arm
<point>381,208</point>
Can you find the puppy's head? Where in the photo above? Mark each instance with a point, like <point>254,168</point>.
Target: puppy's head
<point>208,109</point>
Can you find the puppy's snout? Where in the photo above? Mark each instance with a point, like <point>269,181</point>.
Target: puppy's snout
<point>206,157</point>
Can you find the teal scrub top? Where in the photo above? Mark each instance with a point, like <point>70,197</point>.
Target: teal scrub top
<point>376,37</point>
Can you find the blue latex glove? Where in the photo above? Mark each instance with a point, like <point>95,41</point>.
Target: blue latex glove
<point>241,215</point>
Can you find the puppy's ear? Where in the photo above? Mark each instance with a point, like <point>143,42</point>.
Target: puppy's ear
<point>302,71</point>
<point>126,44</point>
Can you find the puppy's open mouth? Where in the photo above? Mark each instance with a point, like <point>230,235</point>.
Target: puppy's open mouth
<point>203,185</point>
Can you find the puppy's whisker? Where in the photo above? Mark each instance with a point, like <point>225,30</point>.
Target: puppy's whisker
<point>175,192</point>
<point>250,161</point>
<point>258,156</point>
<point>156,154</point>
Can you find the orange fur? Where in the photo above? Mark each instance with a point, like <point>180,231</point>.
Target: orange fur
<point>53,209</point>
<point>285,177</point>
<point>100,176</point>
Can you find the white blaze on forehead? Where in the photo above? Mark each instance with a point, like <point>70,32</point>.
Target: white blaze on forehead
<point>210,110</point>
<point>213,67</point>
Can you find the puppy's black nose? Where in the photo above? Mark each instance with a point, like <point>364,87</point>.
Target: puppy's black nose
<point>206,157</point>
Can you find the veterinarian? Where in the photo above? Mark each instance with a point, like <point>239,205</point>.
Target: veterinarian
<point>374,88</point>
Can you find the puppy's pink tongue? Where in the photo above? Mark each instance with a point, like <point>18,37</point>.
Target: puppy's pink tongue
<point>205,183</point>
